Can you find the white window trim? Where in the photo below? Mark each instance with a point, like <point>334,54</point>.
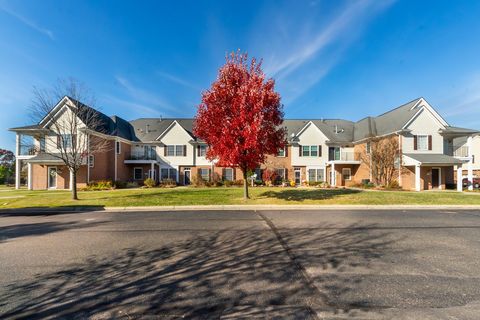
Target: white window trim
<point>231,170</point>
<point>349,174</point>
<point>418,142</point>
<point>137,168</point>
<point>204,147</point>
<point>91,161</point>
<point>310,151</point>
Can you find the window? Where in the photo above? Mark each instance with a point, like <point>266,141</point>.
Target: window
<point>333,153</point>
<point>316,175</point>
<point>422,142</point>
<point>281,152</point>
<point>138,173</point>
<point>311,151</point>
<point>118,147</point>
<point>42,144</point>
<point>346,174</point>
<point>91,161</point>
<point>170,151</point>
<point>202,150</point>
<point>205,174</point>
<point>306,151</point>
<point>64,141</point>
<point>175,150</point>
<point>168,173</point>
<point>281,174</point>
<point>368,147</point>
<point>227,174</point>
<point>179,151</point>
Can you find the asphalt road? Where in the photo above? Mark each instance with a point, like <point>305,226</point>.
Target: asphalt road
<point>241,265</point>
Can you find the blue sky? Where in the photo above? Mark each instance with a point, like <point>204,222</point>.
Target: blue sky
<point>330,59</point>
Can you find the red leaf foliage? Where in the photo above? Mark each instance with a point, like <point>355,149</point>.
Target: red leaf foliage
<point>240,116</point>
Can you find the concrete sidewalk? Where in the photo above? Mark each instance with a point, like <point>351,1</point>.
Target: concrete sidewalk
<point>241,207</point>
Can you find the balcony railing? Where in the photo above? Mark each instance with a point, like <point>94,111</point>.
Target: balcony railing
<point>28,151</point>
<point>460,152</point>
<point>344,156</point>
<point>141,156</point>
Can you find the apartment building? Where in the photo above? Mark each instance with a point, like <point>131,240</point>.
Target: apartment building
<point>328,150</point>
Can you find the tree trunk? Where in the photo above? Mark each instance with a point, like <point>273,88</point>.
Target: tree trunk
<point>245,185</point>
<point>74,186</point>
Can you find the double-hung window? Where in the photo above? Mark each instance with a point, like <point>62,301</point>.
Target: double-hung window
<point>175,150</point>
<point>346,174</point>
<point>168,173</point>
<point>422,142</point>
<point>202,150</point>
<point>138,173</point>
<point>316,175</point>
<point>281,152</point>
<point>310,151</point>
<point>205,174</point>
<point>228,174</point>
<point>118,147</point>
<point>170,151</point>
<point>91,161</point>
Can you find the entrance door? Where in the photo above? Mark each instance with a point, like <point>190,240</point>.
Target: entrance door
<point>186,174</point>
<point>298,176</point>
<point>52,177</point>
<point>435,178</point>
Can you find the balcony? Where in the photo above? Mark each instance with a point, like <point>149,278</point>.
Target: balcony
<point>460,151</point>
<point>344,156</point>
<point>27,150</point>
<point>147,156</point>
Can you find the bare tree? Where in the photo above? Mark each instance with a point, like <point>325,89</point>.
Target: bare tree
<point>75,126</point>
<point>383,159</point>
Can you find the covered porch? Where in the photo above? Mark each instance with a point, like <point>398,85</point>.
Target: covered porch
<point>429,172</point>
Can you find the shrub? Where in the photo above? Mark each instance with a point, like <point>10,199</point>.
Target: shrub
<point>197,181</point>
<point>269,176</point>
<point>393,185</point>
<point>238,183</point>
<point>120,184</point>
<point>315,183</point>
<point>149,183</point>
<point>132,184</point>
<point>258,182</point>
<point>292,183</point>
<point>229,183</point>
<point>168,183</point>
<point>99,185</point>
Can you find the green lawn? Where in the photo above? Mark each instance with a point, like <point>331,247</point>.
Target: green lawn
<point>10,198</point>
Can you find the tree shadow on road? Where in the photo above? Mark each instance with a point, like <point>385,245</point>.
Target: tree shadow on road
<point>38,229</point>
<point>225,274</point>
<point>308,194</point>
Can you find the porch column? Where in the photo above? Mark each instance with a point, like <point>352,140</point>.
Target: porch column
<point>417,178</point>
<point>71,180</point>
<point>29,177</point>
<point>152,171</point>
<point>459,178</point>
<point>18,169</point>
<point>470,167</point>
<point>18,162</point>
<point>333,177</point>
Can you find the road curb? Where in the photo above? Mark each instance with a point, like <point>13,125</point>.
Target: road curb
<point>242,207</point>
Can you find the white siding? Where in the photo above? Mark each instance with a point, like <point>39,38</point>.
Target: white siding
<point>63,123</point>
<point>424,124</point>
<point>310,136</point>
<point>176,135</point>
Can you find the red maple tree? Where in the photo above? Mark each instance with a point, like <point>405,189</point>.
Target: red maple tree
<point>240,116</point>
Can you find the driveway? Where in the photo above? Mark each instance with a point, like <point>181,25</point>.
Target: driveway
<point>375,264</point>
